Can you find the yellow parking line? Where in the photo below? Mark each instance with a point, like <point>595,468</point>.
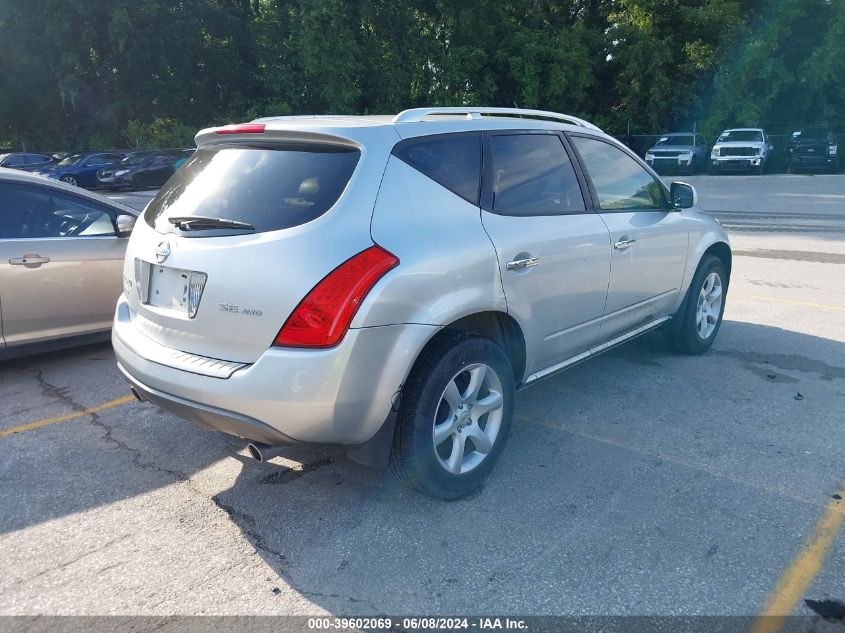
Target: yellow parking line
<point>807,563</point>
<point>793,302</point>
<point>67,416</point>
<point>804,567</point>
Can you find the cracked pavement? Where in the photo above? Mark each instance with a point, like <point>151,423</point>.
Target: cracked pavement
<point>641,482</point>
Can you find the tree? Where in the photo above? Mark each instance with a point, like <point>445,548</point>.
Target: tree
<point>75,72</point>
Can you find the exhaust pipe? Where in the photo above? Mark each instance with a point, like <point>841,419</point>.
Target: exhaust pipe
<point>136,393</point>
<point>263,452</point>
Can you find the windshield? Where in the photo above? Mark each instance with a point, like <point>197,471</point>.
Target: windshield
<point>730,136</point>
<point>686,139</point>
<point>812,133</point>
<point>267,188</point>
<point>73,159</point>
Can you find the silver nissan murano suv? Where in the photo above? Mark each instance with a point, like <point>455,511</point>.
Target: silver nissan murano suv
<point>388,283</point>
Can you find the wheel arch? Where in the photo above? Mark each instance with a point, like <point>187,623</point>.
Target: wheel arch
<point>493,324</point>
<point>723,252</point>
<point>501,328</point>
<point>716,246</point>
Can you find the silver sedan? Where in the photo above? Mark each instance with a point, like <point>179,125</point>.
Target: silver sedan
<point>61,255</point>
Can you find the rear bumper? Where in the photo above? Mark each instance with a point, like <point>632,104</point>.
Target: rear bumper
<point>209,418</point>
<point>336,396</point>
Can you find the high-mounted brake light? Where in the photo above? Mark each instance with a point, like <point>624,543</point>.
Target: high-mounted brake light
<point>241,128</point>
<point>322,318</point>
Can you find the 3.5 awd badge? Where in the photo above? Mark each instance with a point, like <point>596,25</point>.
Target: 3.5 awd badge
<point>235,309</point>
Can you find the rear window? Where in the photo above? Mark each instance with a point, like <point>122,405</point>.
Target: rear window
<point>453,161</point>
<point>268,188</point>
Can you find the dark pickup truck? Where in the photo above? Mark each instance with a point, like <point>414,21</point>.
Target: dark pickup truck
<point>812,149</point>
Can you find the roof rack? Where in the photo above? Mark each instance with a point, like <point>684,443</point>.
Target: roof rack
<point>415,115</point>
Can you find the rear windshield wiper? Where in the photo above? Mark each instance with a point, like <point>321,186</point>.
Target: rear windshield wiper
<point>199,223</point>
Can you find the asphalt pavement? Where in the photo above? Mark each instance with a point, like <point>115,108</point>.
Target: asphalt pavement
<point>642,482</point>
<point>135,199</point>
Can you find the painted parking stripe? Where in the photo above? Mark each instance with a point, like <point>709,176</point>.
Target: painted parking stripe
<point>804,568</point>
<point>794,302</point>
<point>111,404</point>
<point>807,563</point>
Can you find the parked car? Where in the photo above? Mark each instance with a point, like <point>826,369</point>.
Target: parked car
<point>813,149</point>
<point>682,152</point>
<point>186,153</point>
<point>140,170</point>
<point>739,149</point>
<point>61,259</point>
<point>80,169</point>
<point>389,283</point>
<point>25,161</point>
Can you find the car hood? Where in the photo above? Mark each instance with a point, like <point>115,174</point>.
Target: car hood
<point>674,148</point>
<point>760,144</point>
<point>117,167</point>
<point>813,141</point>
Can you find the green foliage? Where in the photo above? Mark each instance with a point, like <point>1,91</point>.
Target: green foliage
<point>161,132</point>
<point>138,73</point>
<point>788,69</point>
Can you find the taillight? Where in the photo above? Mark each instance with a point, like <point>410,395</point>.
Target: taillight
<point>323,316</point>
<point>196,283</point>
<point>241,128</point>
<point>142,280</point>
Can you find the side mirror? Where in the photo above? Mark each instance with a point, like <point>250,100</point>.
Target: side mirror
<point>771,148</point>
<point>683,195</point>
<point>125,223</point>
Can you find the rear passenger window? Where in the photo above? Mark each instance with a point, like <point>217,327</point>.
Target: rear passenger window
<point>620,181</point>
<point>532,175</point>
<point>453,161</point>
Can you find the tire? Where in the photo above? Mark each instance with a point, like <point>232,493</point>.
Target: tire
<point>686,333</point>
<point>69,180</point>
<point>451,365</point>
<point>138,182</point>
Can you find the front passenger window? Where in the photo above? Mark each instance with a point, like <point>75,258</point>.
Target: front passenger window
<point>620,181</point>
<point>32,213</point>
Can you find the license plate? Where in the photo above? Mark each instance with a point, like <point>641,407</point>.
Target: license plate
<point>169,288</point>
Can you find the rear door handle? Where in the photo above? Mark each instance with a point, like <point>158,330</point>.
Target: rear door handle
<point>30,259</point>
<point>621,245</point>
<point>519,264</point>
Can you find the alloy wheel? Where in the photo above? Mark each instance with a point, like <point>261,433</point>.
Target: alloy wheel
<point>709,306</point>
<point>468,419</point>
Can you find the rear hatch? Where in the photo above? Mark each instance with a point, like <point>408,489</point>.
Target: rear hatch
<point>238,236</point>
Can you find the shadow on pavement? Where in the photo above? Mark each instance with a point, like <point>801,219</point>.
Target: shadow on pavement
<point>627,487</point>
